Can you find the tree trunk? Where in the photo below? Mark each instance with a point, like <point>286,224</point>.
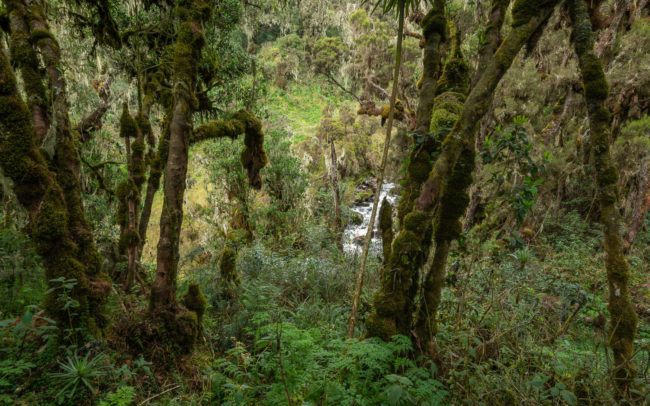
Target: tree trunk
<point>186,56</point>
<point>153,183</point>
<point>380,176</point>
<point>129,193</point>
<point>51,191</point>
<point>434,28</point>
<point>623,322</point>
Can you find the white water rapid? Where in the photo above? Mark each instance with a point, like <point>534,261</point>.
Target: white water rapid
<point>354,234</point>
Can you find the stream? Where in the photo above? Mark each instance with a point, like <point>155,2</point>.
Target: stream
<point>354,234</point>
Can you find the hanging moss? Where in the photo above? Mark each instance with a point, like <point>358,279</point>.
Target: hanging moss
<point>385,111</point>
<point>229,273</point>
<point>144,125</point>
<point>253,157</point>
<point>139,168</point>
<point>128,125</point>
<point>124,191</point>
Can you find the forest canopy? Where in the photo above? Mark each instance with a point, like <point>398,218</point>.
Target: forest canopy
<point>302,202</point>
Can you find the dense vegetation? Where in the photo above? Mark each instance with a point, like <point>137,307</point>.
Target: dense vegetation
<point>182,181</point>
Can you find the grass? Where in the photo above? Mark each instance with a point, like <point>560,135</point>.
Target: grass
<point>302,105</point>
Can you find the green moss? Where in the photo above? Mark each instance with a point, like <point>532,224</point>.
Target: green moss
<point>38,35</point>
<point>125,191</point>
<point>24,55</point>
<point>524,10</point>
<point>184,330</point>
<point>128,125</point>
<point>195,301</point>
<point>380,327</point>
<point>218,129</point>
<point>187,49</point>
<point>253,157</point>
<point>145,128</point>
<point>624,321</point>
<point>229,273</point>
<point>593,77</point>
<point>454,199</point>
<point>608,176</point>
<point>434,22</point>
<point>455,77</point>
<point>51,223</point>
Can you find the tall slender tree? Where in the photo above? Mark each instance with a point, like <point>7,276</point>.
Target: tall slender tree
<point>401,5</point>
<point>623,318</point>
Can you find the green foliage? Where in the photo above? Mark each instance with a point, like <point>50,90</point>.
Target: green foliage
<point>327,55</point>
<point>21,281</point>
<point>123,396</point>
<point>509,152</point>
<point>316,369</point>
<point>286,183</point>
<point>79,374</point>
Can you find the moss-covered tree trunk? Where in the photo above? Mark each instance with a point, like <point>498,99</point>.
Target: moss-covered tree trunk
<point>50,188</point>
<point>434,33</point>
<point>623,321</point>
<point>186,58</point>
<point>395,301</point>
<point>182,323</point>
<point>129,192</point>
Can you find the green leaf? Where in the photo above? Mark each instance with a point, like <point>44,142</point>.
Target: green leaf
<point>394,394</point>
<point>569,397</point>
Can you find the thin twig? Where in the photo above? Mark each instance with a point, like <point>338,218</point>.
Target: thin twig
<point>160,394</point>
